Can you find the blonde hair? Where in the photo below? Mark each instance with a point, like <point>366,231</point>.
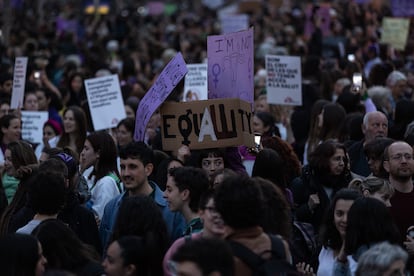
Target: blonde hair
<point>372,184</point>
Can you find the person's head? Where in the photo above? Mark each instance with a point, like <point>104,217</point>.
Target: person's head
<point>30,101</point>
<point>200,257</point>
<point>71,166</point>
<point>136,165</point>
<point>398,161</point>
<point>212,160</point>
<point>47,152</point>
<point>276,219</point>
<point>331,120</point>
<point>333,229</point>
<point>218,176</point>
<point>184,188</point>
<point>125,131</point>
<point>269,165</point>
<point>4,107</point>
<point>374,151</point>
<point>375,187</point>
<point>21,255</point>
<point>260,104</point>
<point>76,82</point>
<point>369,222</point>
<point>11,128</point>
<point>6,83</point>
<point>130,256</point>
<point>382,259</point>
<point>51,129</point>
<point>46,192</point>
<point>131,105</point>
<point>44,98</point>
<point>17,154</point>
<point>213,225</point>
<point>140,216</point>
<point>397,82</point>
<point>74,120</point>
<point>329,157</point>
<point>239,200</point>
<point>264,123</point>
<point>163,168</point>
<point>374,124</point>
<point>62,247</point>
<point>99,150</point>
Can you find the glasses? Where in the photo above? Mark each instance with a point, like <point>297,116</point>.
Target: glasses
<point>398,157</point>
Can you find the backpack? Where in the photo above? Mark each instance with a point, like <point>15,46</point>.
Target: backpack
<point>303,244</point>
<point>275,265</point>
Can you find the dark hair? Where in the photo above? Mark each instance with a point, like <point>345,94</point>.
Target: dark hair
<point>19,254</point>
<point>369,222</point>
<point>270,166</point>
<point>277,215</point>
<point>319,158</point>
<point>5,123</point>
<point>103,143</point>
<point>329,235</point>
<point>195,180</point>
<point>314,130</point>
<point>80,119</point>
<point>137,150</point>
<point>61,247</point>
<point>69,161</point>
<point>268,121</point>
<point>239,200</point>
<point>161,175</point>
<point>210,255</point>
<point>128,123</point>
<point>22,154</point>
<point>140,216</point>
<point>333,118</point>
<point>139,252</point>
<point>213,152</point>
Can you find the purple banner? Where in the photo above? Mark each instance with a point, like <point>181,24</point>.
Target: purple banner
<point>231,65</point>
<point>159,91</point>
<point>402,8</point>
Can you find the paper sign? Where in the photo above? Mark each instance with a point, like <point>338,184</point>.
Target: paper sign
<point>395,32</point>
<point>402,8</point>
<point>195,83</point>
<point>234,23</point>
<point>19,82</point>
<point>231,65</point>
<point>212,4</point>
<point>105,101</point>
<point>170,76</point>
<point>206,124</point>
<point>284,80</point>
<point>32,125</point>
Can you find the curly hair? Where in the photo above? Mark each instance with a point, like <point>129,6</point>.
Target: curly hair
<point>319,159</point>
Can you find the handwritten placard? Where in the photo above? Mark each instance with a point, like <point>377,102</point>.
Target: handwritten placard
<point>231,65</point>
<point>105,101</point>
<point>402,8</point>
<point>206,124</point>
<point>170,76</point>
<point>395,32</point>
<point>284,80</point>
<point>19,82</point>
<point>32,125</point>
<point>195,83</point>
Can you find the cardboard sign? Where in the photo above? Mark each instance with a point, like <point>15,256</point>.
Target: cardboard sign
<point>284,80</point>
<point>170,76</point>
<point>105,101</point>
<point>195,83</point>
<point>206,124</point>
<point>395,32</point>
<point>234,23</point>
<point>19,81</point>
<point>32,125</point>
<point>231,66</point>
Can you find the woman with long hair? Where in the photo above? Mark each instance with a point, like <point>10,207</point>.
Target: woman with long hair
<point>99,153</point>
<point>10,131</point>
<point>74,129</point>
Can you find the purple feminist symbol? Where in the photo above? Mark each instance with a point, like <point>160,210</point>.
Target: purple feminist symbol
<point>216,72</point>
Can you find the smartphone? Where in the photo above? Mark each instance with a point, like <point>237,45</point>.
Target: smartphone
<point>357,81</point>
<point>257,138</point>
<point>351,57</point>
<point>36,75</point>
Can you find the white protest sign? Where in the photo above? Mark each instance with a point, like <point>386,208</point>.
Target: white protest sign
<point>105,101</point>
<point>234,23</point>
<point>19,81</point>
<point>195,83</point>
<point>284,80</point>
<point>32,125</point>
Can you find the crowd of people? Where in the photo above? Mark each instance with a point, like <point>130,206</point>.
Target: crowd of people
<point>327,190</point>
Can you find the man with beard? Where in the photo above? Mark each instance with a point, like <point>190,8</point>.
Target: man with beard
<point>399,163</point>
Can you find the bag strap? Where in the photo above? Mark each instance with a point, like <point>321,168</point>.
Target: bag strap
<point>117,180</point>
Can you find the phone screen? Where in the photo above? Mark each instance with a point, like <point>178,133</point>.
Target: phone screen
<point>357,80</point>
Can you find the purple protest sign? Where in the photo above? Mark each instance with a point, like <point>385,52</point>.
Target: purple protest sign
<point>231,65</point>
<point>402,8</point>
<point>170,76</point>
